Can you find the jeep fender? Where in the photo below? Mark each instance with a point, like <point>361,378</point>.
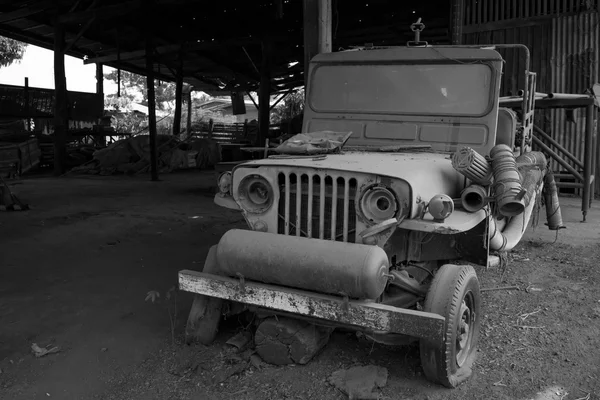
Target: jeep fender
<point>458,221</point>
<point>226,201</point>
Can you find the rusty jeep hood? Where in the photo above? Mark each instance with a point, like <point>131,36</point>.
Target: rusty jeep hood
<point>427,174</point>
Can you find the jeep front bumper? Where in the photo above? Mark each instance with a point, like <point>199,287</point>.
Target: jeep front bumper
<point>362,314</point>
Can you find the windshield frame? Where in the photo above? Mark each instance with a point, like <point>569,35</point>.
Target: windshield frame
<point>487,63</point>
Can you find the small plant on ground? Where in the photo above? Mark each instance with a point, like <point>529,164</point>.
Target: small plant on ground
<point>171,302</point>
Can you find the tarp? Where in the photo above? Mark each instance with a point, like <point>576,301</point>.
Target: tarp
<point>323,142</point>
<point>132,155</point>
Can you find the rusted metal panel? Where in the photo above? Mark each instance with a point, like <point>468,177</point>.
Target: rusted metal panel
<point>535,37</point>
<point>574,69</point>
<point>479,12</point>
<point>364,314</point>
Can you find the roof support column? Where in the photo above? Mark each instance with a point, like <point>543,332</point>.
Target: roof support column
<point>188,127</point>
<point>100,92</point>
<point>456,21</point>
<point>317,30</point>
<point>325,43</point>
<point>178,98</point>
<point>61,109</point>
<point>151,107</point>
<point>264,98</point>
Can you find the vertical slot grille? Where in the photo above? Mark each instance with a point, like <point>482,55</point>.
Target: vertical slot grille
<point>317,206</point>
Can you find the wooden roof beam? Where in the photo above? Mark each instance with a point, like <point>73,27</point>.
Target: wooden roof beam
<point>38,40</point>
<point>101,12</point>
<point>72,42</point>
<point>25,12</point>
<point>166,49</point>
<point>226,71</point>
<point>131,55</point>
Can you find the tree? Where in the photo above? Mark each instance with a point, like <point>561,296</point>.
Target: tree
<point>11,51</point>
<point>289,108</point>
<point>134,84</point>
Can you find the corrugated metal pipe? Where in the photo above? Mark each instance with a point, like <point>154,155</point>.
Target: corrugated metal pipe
<point>532,166</point>
<point>505,239</point>
<point>472,165</point>
<point>507,181</point>
<point>553,213</point>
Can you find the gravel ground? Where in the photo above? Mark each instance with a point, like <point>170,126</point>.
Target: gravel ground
<point>76,269</point>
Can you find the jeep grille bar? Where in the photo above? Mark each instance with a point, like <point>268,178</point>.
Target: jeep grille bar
<point>317,206</point>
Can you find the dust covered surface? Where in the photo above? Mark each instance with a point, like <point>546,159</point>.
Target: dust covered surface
<point>76,269</point>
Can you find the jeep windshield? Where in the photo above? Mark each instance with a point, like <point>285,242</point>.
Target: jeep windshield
<point>425,89</point>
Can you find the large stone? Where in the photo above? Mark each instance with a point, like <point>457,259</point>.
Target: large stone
<point>360,382</point>
<point>282,341</point>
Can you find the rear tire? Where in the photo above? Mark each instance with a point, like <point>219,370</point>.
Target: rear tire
<point>454,294</point>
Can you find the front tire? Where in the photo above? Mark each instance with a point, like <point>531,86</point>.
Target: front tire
<point>454,294</point>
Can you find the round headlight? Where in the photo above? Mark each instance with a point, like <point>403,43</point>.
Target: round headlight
<point>378,204</point>
<point>440,207</point>
<point>255,194</point>
<point>224,182</point>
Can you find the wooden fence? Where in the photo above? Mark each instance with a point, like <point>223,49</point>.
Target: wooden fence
<point>29,102</point>
<point>233,133</point>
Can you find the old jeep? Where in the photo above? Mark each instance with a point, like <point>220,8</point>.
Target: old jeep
<point>383,236</point>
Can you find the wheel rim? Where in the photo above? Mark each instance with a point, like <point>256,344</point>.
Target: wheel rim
<point>465,329</point>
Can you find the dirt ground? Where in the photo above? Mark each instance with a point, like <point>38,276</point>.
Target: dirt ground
<point>75,271</point>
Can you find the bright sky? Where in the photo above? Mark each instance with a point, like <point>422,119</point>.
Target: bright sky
<point>38,65</point>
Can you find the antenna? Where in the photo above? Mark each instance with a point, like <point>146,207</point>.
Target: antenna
<point>417,28</point>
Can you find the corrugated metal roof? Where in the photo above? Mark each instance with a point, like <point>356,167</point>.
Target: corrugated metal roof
<point>218,43</point>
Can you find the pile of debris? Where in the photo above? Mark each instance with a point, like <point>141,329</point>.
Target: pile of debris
<point>132,155</point>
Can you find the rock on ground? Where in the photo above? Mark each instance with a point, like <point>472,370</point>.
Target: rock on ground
<point>360,382</point>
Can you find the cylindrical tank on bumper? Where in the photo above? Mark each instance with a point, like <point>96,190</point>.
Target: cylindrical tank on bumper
<point>356,270</point>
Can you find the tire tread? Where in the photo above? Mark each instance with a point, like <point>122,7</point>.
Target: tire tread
<point>445,298</point>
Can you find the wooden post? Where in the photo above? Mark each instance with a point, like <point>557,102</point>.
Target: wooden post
<point>317,30</point>
<point>100,82</point>
<point>118,65</point>
<point>189,115</point>
<point>456,21</point>
<point>587,161</point>
<point>151,108</point>
<point>264,93</point>
<point>596,161</point>
<point>27,108</point>
<point>311,33</point>
<point>325,43</point>
<point>100,93</point>
<point>178,99</point>
<point>61,116</point>
<point>211,125</point>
